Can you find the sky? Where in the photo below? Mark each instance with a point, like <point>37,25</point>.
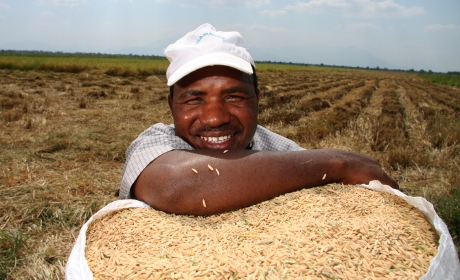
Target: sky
<point>394,34</point>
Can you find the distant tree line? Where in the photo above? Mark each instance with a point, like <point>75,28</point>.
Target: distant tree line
<point>57,53</point>
<point>60,53</point>
<point>421,71</point>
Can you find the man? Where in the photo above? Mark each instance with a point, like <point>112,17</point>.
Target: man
<point>215,158</point>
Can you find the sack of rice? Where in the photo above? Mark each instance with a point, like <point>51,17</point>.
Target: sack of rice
<point>333,232</point>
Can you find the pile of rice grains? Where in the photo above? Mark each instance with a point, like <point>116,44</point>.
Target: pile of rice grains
<point>330,232</point>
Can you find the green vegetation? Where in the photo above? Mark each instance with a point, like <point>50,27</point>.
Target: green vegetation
<point>443,79</point>
<point>444,132</point>
<point>11,245</point>
<point>280,67</point>
<point>448,208</point>
<point>111,65</point>
<point>114,65</point>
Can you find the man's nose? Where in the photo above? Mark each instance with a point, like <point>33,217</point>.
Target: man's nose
<point>214,113</point>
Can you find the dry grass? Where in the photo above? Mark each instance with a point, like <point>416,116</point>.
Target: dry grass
<point>64,136</point>
<point>62,157</point>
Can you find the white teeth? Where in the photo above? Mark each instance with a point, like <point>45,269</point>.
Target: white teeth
<point>219,139</point>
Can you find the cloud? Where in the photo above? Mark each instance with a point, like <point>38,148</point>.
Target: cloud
<point>439,27</point>
<point>217,3</point>
<point>3,6</point>
<point>359,26</point>
<point>69,3</point>
<point>270,29</point>
<point>274,13</point>
<point>354,8</point>
<point>46,15</point>
<point>257,27</point>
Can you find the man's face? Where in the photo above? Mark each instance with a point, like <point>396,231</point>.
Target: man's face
<point>215,108</point>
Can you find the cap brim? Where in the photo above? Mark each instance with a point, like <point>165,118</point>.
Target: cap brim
<point>225,59</point>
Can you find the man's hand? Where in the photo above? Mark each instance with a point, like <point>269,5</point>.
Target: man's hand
<point>361,169</point>
<point>244,177</point>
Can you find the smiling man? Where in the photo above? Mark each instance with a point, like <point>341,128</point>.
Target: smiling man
<point>215,157</point>
<point>215,107</point>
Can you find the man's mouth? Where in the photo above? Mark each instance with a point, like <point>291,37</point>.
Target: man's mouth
<point>218,139</point>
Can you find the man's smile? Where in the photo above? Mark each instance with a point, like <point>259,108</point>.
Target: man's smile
<point>219,139</point>
<point>215,107</point>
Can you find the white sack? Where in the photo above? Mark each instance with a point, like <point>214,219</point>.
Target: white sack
<point>77,267</point>
<point>444,266</point>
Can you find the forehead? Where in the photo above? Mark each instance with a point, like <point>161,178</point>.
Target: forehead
<point>214,72</point>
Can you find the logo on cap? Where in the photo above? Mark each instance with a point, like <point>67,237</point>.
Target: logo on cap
<point>208,34</point>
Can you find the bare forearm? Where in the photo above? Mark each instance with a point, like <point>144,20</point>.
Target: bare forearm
<point>238,179</point>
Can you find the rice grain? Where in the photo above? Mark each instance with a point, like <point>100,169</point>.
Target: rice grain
<point>332,231</point>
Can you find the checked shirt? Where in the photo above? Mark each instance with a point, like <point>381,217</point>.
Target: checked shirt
<point>160,138</point>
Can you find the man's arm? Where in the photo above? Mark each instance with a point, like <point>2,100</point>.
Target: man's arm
<point>244,177</point>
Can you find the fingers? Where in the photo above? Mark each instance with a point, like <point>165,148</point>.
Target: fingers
<point>363,169</point>
<point>390,182</point>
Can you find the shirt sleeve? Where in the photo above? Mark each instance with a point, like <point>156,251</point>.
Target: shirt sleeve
<point>266,140</point>
<point>150,144</point>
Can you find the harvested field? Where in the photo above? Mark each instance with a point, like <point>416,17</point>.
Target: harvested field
<point>64,136</point>
<point>329,232</point>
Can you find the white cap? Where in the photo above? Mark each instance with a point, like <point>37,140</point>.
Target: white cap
<point>206,47</point>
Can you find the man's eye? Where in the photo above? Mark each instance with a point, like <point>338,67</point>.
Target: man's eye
<point>234,98</point>
<point>193,101</point>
